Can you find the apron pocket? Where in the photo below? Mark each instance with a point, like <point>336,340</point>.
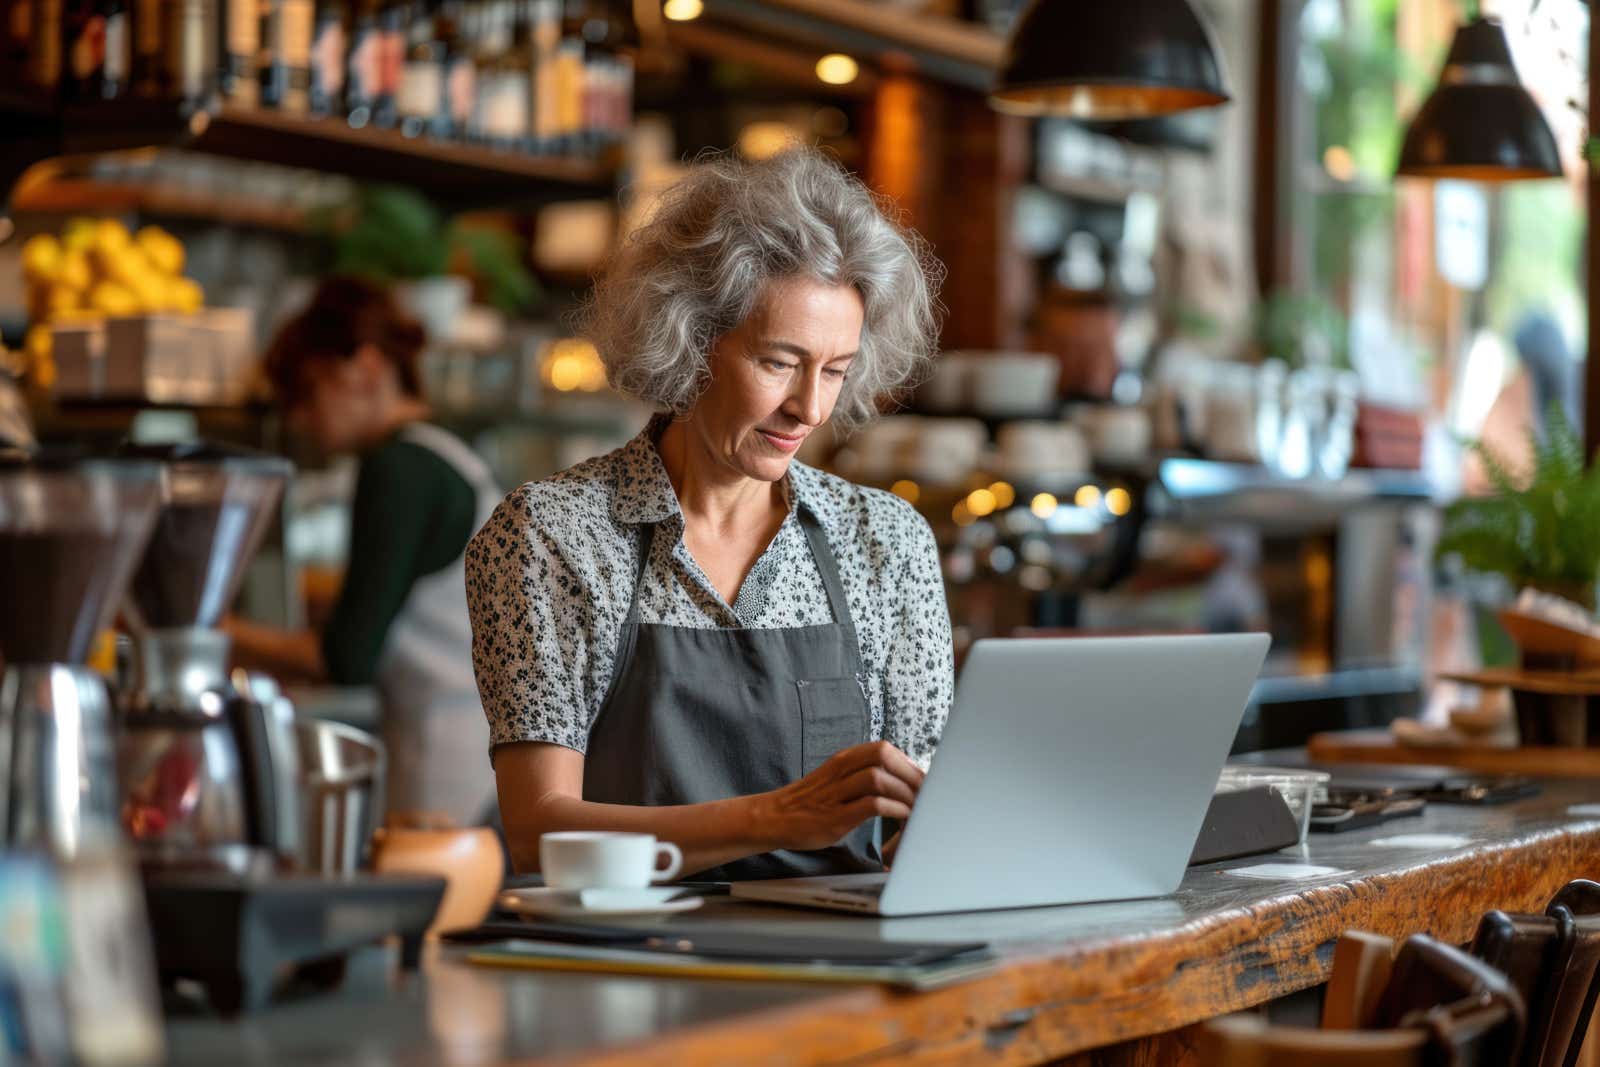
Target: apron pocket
<point>833,716</point>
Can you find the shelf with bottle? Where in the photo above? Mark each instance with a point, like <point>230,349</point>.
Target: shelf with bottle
<point>494,97</point>
<point>79,196</point>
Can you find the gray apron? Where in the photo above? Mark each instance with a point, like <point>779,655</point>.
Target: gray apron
<point>695,715</point>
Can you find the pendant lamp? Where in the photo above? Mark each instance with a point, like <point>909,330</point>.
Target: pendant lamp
<point>1108,59</point>
<point>1479,124</point>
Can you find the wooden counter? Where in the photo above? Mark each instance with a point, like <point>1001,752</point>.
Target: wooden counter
<point>1124,979</point>
<point>1380,747</point>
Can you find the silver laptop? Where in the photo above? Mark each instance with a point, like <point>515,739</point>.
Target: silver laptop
<point>1070,770</point>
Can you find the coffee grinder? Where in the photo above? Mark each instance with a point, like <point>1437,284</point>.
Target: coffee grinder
<point>210,780</point>
<point>208,773</point>
<point>71,533</point>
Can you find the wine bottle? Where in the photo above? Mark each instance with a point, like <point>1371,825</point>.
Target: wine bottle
<point>286,55</point>
<point>44,50</point>
<point>421,98</point>
<point>16,26</point>
<point>83,50</point>
<point>361,67</point>
<point>238,80</point>
<point>461,70</point>
<point>391,59</point>
<point>116,75</point>
<point>546,88</point>
<point>149,68</point>
<point>188,47</point>
<point>508,111</point>
<point>328,37</point>
<point>486,54</point>
<point>569,78</point>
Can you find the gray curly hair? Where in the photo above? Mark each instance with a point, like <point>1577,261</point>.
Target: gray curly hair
<point>696,270</point>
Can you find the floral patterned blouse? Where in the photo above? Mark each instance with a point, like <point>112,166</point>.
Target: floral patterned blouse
<point>551,574</point>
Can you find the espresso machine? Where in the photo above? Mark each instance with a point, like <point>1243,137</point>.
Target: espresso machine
<point>208,761</point>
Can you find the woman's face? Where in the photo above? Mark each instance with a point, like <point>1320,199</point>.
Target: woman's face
<point>776,376</point>
<point>335,401</point>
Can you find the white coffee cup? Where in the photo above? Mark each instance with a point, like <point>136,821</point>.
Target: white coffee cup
<point>605,859</point>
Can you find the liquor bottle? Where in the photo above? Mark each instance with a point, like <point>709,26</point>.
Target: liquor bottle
<point>392,18</point>
<point>361,67</point>
<point>461,73</point>
<point>421,98</point>
<point>238,80</point>
<point>546,45</point>
<point>188,49</point>
<point>328,36</point>
<point>486,57</point>
<point>508,111</point>
<point>149,69</point>
<point>83,50</point>
<point>44,51</point>
<point>286,55</point>
<point>608,74</point>
<point>16,39</point>
<point>116,77</point>
<point>569,78</point>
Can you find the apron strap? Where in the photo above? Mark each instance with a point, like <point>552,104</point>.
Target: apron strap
<point>822,552</point>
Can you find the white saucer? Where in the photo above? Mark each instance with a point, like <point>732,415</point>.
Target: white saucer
<point>611,903</point>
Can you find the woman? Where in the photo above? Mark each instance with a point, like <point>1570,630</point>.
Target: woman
<point>696,636</point>
<point>345,371</point>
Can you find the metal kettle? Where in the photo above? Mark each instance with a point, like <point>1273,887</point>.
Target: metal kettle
<point>209,771</point>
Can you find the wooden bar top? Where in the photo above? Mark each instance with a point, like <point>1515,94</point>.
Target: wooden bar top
<point>1071,979</point>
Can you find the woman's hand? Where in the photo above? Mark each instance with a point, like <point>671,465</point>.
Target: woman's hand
<point>854,785</point>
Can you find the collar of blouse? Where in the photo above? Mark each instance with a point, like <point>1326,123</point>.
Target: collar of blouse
<point>642,492</point>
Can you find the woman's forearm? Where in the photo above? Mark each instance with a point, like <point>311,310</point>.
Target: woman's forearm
<point>290,655</point>
<point>710,834</point>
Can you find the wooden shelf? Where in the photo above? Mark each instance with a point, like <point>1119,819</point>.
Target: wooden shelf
<point>459,172</point>
<point>454,173</point>
<point>69,196</point>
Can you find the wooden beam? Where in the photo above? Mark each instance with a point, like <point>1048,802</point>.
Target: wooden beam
<point>1281,250</point>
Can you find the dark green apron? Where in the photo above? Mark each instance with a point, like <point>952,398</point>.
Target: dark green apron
<point>695,715</point>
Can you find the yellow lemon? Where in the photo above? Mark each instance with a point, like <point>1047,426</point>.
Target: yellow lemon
<point>122,264</point>
<point>164,251</point>
<point>58,301</point>
<point>186,295</point>
<point>79,234</point>
<point>41,258</point>
<point>150,291</point>
<point>75,273</point>
<point>110,232</point>
<point>113,299</point>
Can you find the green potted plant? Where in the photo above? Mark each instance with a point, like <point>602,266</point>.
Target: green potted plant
<point>1540,529</point>
<point>1302,331</point>
<point>395,235</point>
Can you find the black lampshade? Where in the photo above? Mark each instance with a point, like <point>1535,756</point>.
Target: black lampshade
<point>1108,59</point>
<point>1480,124</point>
<point>1189,131</point>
